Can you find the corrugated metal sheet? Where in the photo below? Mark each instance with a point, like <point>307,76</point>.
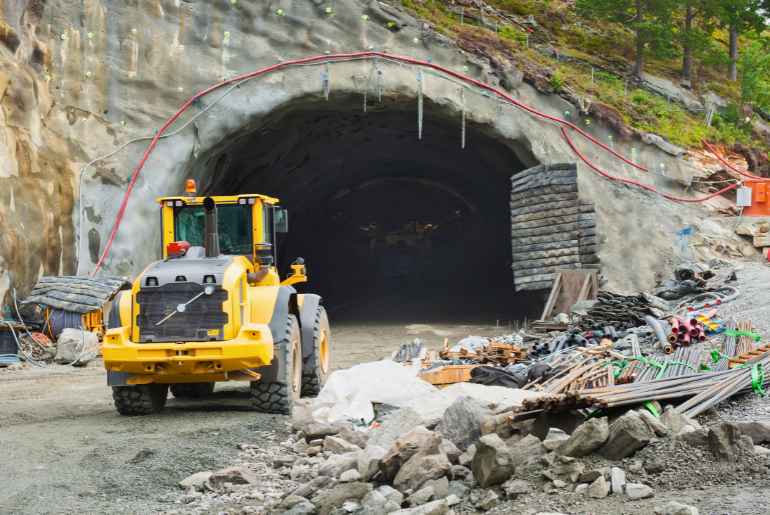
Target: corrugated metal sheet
<point>75,293</point>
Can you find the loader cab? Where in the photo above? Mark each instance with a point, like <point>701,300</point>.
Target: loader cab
<point>247,225</point>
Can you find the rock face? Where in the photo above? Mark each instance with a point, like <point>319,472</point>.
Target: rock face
<point>493,463</point>
<point>87,77</point>
<point>589,436</point>
<point>461,423</point>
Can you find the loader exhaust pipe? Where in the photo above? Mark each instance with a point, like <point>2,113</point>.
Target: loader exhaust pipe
<point>211,231</point>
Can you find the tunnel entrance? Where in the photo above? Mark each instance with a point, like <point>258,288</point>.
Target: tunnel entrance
<point>392,227</point>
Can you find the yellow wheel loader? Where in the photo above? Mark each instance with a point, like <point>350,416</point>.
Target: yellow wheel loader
<point>215,309</point>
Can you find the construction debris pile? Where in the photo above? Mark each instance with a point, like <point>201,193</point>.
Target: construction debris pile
<point>605,408</point>
<point>61,321</point>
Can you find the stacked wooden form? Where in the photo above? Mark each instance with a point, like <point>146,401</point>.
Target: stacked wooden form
<point>551,228</point>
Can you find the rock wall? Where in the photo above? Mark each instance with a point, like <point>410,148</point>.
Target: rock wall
<point>84,80</point>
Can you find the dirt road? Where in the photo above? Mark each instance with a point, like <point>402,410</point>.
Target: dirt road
<point>65,450</point>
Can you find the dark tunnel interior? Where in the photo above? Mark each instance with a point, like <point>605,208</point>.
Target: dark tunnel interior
<point>392,227</point>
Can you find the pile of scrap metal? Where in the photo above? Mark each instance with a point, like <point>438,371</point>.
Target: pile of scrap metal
<point>684,353</point>
<point>36,332</point>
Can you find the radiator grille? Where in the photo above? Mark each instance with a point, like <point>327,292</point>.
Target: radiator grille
<point>203,319</point>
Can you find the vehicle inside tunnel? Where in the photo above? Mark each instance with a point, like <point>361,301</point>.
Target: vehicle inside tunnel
<point>392,226</point>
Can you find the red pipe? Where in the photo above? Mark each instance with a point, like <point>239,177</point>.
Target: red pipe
<point>637,183</point>
<point>370,55</point>
<point>729,166</point>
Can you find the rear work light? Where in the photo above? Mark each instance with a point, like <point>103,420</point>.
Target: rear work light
<point>177,249</point>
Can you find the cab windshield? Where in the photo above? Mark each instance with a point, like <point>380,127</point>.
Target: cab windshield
<point>235,230</point>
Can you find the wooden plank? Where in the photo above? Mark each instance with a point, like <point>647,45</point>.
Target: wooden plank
<point>555,289</point>
<point>448,374</point>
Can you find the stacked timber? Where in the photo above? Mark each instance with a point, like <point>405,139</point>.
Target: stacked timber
<point>551,228</point>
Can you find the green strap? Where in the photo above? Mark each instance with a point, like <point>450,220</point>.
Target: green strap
<point>758,379</point>
<point>716,355</point>
<point>738,334</point>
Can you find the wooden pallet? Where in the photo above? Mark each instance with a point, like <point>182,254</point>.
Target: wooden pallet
<point>448,374</point>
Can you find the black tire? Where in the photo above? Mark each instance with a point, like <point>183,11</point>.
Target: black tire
<point>192,390</point>
<point>142,399</point>
<point>316,367</point>
<point>278,396</point>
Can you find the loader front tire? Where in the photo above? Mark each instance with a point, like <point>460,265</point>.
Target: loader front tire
<point>142,399</point>
<point>316,366</point>
<point>192,390</point>
<point>278,396</point>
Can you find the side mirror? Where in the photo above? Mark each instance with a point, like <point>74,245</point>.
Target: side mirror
<point>281,220</point>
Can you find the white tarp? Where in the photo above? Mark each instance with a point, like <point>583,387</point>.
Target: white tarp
<point>349,394</point>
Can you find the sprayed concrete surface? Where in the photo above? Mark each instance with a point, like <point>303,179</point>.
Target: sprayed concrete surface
<point>66,450</point>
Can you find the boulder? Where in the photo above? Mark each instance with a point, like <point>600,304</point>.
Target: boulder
<point>391,494</point>
<point>515,487</point>
<point>526,449</point>
<point>374,503</point>
<point>617,480</point>
<point>459,488</point>
<point>492,463</point>
<point>627,434</point>
<point>337,445</point>
<point>694,437</point>
<point>420,468</point>
<point>554,438</point>
<point>439,507</point>
<point>461,422</point>
<point>320,430</point>
<point>369,461</point>
<point>421,496</point>
<point>567,468</point>
<point>338,463</point>
<point>303,507</point>
<point>350,435</point>
<point>466,458</point>
<point>655,424</point>
<point>676,508</point>
<point>727,442</point>
<point>581,489</point>
<point>459,472</point>
<point>599,489</point>
<point>419,440</point>
<point>759,432</point>
<point>349,476</point>
<point>450,450</point>
<point>232,475</point>
<point>392,426</point>
<point>326,501</point>
<point>196,481</point>
<point>485,500</point>
<point>589,476</point>
<point>587,437</point>
<point>76,347</point>
<point>440,487</point>
<point>636,491</point>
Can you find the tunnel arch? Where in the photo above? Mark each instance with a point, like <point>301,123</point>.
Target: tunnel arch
<point>380,214</point>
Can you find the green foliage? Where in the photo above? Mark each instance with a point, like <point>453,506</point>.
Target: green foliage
<point>557,81</point>
<point>754,67</point>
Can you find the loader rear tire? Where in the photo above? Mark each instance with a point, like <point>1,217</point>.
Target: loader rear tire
<point>278,396</point>
<point>192,390</point>
<point>316,366</point>
<point>142,399</point>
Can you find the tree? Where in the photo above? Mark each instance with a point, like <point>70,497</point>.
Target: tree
<point>754,65</point>
<point>696,32</point>
<point>651,21</point>
<point>738,17</point>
